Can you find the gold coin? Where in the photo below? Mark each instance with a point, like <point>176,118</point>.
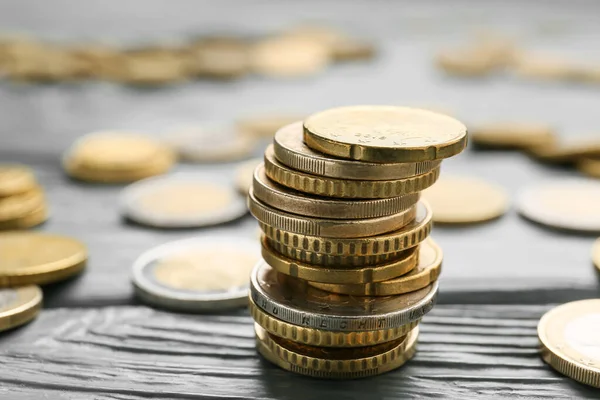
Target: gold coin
<point>327,260</point>
<point>27,258</point>
<point>544,67</point>
<point>402,239</point>
<point>344,188</point>
<point>147,67</point>
<point>427,271</point>
<point>219,57</point>
<point>337,274</point>
<point>596,253</point>
<point>282,198</point>
<point>244,174</point>
<point>512,135</point>
<point>567,151</point>
<point>385,134</point>
<point>289,57</point>
<point>337,228</point>
<point>570,342</point>
<point>336,363</point>
<point>466,62</point>
<point>21,204</point>
<point>15,179</point>
<point>351,49</point>
<point>589,166</point>
<point>322,338</point>
<point>29,220</point>
<point>570,204</point>
<point>290,150</point>
<point>463,200</point>
<point>265,126</point>
<point>19,306</point>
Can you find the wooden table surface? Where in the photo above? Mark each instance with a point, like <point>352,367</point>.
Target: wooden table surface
<point>95,340</point>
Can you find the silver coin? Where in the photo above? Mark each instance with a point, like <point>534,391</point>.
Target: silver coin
<point>211,144</point>
<point>197,274</point>
<point>181,201</point>
<point>290,150</point>
<point>293,300</point>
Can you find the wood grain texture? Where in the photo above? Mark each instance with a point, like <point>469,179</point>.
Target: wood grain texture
<point>136,352</point>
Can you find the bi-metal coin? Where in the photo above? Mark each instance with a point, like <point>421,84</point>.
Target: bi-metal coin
<point>19,305</point>
<point>181,201</point>
<point>197,274</point>
<point>570,340</point>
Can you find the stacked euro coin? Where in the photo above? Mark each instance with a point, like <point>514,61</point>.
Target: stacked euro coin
<point>348,270</point>
<point>22,200</point>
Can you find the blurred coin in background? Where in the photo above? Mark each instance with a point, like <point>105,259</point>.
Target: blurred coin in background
<point>589,166</point>
<point>15,178</point>
<point>512,135</point>
<point>244,174</point>
<point>218,57</point>
<point>206,273</point>
<point>265,126</point>
<point>19,306</point>
<point>181,201</point>
<point>567,151</point>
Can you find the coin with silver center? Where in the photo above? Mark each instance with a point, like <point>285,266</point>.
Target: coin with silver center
<point>19,305</point>
<point>181,201</point>
<point>204,273</point>
<point>293,300</point>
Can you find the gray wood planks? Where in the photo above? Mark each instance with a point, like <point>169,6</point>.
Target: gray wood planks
<point>137,352</point>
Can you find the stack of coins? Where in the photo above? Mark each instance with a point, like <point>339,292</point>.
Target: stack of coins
<point>348,270</point>
<point>22,200</point>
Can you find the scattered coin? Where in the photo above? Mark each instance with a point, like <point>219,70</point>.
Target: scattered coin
<point>336,363</point>
<point>39,258</point>
<point>289,148</point>
<point>513,135</point>
<point>293,300</point>
<point>569,340</point>
<point>265,126</point>
<point>19,306</point>
<point>198,274</point>
<point>15,179</point>
<point>596,253</point>
<point>219,57</point>
<point>345,188</point>
<point>19,205</point>
<point>545,67</point>
<point>211,145</point>
<point>464,200</point>
<point>289,57</point>
<point>399,240</point>
<point>338,274</point>
<point>567,151</point>
<point>351,49</point>
<point>181,201</point>
<point>466,62</point>
<point>29,220</point>
<point>426,272</point>
<point>589,166</point>
<point>153,67</point>
<point>385,134</point>
<point>282,198</point>
<point>564,204</point>
<point>244,175</point>
<point>321,338</point>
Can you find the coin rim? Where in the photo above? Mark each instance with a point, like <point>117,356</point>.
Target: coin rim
<point>25,311</point>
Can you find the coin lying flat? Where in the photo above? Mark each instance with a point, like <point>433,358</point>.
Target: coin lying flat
<point>545,67</point>
<point>289,57</point>
<point>351,49</point>
<point>148,67</point>
<point>15,179</point>
<point>596,253</point>
<point>211,145</point>
<point>340,275</point>
<point>466,62</point>
<point>401,239</point>
<point>336,363</point>
<point>565,204</point>
<point>202,273</point>
<point>19,306</point>
<point>463,200</point>
<point>567,151</point>
<point>265,126</point>
<point>344,188</point>
<point>270,193</point>
<point>244,175</point>
<point>39,258</point>
<point>181,201</point>
<point>219,57</point>
<point>36,217</point>
<point>512,135</point>
<point>318,337</point>
<point>589,166</point>
<point>290,150</point>
<point>385,134</point>
<point>293,300</point>
<point>426,272</point>
<point>569,340</point>
<point>21,204</point>
<point>338,228</point>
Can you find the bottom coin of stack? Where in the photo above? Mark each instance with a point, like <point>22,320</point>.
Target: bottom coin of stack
<point>22,201</point>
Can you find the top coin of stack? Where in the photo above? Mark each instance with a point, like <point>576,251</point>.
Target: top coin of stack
<point>348,271</point>
<point>22,201</point>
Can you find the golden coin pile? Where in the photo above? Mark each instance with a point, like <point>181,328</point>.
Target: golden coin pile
<point>117,157</point>
<point>303,50</point>
<point>22,200</point>
<point>348,270</point>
